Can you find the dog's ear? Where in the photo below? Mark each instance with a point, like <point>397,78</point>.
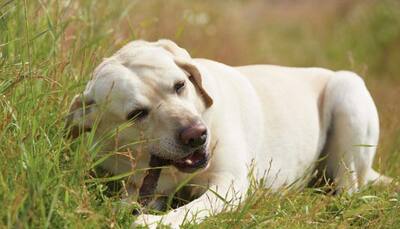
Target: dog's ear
<point>80,117</point>
<point>196,78</point>
<point>173,48</point>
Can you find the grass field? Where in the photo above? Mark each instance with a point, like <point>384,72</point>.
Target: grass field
<point>49,48</point>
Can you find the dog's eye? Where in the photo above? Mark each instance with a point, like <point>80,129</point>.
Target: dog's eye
<point>137,114</point>
<point>179,86</point>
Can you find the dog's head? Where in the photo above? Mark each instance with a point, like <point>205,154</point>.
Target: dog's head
<point>156,88</point>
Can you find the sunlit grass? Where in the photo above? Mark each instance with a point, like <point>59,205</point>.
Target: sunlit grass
<point>49,48</point>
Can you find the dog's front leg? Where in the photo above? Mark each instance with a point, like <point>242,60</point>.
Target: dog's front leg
<point>225,192</point>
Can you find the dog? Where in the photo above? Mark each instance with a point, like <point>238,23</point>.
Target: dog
<point>216,123</point>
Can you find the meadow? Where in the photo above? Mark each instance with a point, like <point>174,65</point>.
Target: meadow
<point>48,50</point>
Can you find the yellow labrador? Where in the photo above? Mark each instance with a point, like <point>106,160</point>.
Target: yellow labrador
<point>219,121</point>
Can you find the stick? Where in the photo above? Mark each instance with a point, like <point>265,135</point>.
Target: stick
<point>150,181</point>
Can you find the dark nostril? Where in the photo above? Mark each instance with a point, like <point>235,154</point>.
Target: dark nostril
<point>194,136</point>
<point>198,141</point>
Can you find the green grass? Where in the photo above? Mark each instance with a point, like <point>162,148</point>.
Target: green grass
<point>49,48</point>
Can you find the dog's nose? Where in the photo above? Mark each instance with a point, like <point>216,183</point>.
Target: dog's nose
<point>194,136</point>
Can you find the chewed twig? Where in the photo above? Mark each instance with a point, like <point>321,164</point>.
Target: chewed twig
<point>150,180</point>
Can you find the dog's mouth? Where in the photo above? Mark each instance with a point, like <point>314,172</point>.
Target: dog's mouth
<point>193,162</point>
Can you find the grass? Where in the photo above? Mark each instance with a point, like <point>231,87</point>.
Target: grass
<point>49,48</point>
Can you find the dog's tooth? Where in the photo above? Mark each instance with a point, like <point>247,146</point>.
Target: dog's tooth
<point>188,161</point>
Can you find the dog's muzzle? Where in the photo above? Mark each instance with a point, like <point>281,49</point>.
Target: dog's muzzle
<point>194,142</point>
<point>194,138</point>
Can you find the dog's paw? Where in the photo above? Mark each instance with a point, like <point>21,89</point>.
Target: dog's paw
<point>147,221</point>
<point>153,221</point>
